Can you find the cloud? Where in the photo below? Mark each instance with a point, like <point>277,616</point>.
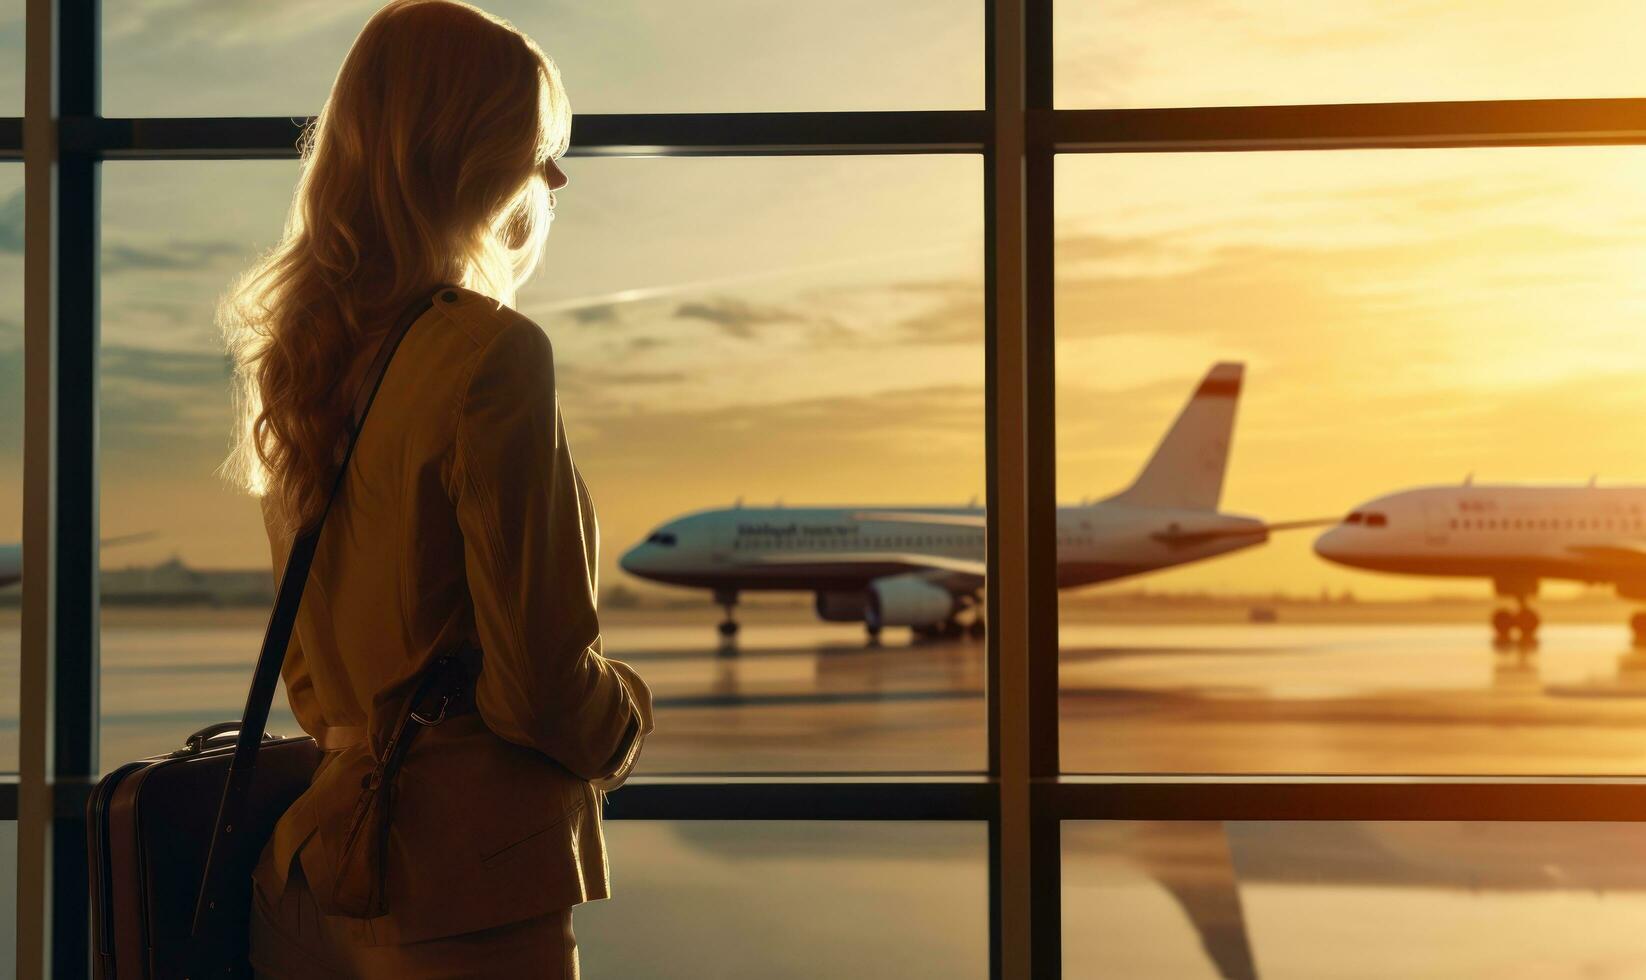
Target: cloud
<point>176,254</point>
<point>164,409</point>
<point>586,385</point>
<point>594,314</point>
<point>735,317</point>
<point>228,23</point>
<point>183,369</point>
<point>958,320</point>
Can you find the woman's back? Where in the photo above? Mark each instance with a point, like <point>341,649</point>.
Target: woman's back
<point>461,524</point>
<point>462,532</point>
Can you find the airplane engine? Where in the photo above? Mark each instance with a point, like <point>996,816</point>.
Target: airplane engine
<point>842,607</point>
<point>907,600</point>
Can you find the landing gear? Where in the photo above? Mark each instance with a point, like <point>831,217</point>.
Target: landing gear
<point>1515,627</point>
<point>1637,626</point>
<point>729,626</point>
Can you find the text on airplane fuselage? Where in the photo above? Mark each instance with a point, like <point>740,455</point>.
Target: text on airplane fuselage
<point>767,530</point>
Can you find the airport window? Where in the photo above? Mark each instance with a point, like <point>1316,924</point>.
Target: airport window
<point>662,437</point>
<point>1145,243</point>
<point>616,56</point>
<point>1397,899</point>
<point>833,252</point>
<point>703,900</point>
<point>1111,54</point>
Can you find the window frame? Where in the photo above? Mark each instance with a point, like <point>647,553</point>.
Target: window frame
<point>1022,796</point>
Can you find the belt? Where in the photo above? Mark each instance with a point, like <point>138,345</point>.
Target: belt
<point>445,695</point>
<point>336,738</point>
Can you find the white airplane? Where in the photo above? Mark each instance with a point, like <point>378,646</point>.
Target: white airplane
<point>1514,535</point>
<point>923,567</point>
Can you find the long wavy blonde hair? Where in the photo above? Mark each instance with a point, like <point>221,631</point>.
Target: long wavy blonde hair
<point>425,167</point>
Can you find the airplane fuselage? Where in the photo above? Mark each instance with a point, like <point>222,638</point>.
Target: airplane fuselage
<point>754,549</point>
<point>1515,535</point>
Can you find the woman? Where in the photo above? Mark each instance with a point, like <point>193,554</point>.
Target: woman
<point>428,183</point>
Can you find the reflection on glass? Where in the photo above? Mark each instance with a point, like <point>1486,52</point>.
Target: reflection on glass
<point>1133,53</point>
<point>706,899</point>
<point>11,454</point>
<point>1301,899</point>
<point>617,56</point>
<point>1460,320</point>
<point>745,337</point>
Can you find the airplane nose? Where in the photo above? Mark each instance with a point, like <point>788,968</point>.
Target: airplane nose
<point>631,561</point>
<point>1330,545</point>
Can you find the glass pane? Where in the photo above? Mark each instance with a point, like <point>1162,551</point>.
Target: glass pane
<point>11,454</point>
<point>1352,900</point>
<point>711,899</point>
<point>1462,321</point>
<point>750,337</point>
<point>1135,53</point>
<point>186,584</point>
<point>616,56</point>
<point>11,57</point>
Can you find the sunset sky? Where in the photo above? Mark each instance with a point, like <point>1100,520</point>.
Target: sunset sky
<point>810,329</point>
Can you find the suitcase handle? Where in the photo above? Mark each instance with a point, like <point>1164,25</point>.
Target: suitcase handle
<point>198,742</point>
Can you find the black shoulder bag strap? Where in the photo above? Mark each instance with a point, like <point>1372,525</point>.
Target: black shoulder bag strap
<point>276,639</point>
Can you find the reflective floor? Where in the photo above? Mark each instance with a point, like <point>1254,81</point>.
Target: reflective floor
<point>1142,900</point>
<point>1354,900</point>
<point>799,696</point>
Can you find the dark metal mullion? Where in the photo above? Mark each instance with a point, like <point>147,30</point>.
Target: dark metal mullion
<point>1489,800</point>
<point>1045,847</point>
<point>662,798</point>
<point>76,691</point>
<point>1536,122</point>
<point>991,491</point>
<point>683,134</point>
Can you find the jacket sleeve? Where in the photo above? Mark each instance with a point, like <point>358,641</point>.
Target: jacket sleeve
<point>531,548</point>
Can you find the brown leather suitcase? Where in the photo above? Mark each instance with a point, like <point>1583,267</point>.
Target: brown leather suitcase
<point>172,840</point>
<point>148,822</point>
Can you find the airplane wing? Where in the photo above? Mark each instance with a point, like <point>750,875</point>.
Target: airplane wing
<point>1611,554</point>
<point>915,561</point>
<point>1178,536</point>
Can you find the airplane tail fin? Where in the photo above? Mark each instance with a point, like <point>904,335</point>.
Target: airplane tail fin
<point>1186,470</point>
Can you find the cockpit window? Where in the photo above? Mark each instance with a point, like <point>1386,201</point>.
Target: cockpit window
<point>663,538</point>
<point>1354,518</point>
<point>1375,519</point>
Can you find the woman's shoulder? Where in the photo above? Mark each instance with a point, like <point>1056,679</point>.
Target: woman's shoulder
<point>488,324</point>
<point>503,350</point>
